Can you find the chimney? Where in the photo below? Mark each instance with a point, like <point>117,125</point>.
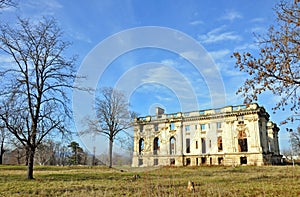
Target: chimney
<point>159,111</point>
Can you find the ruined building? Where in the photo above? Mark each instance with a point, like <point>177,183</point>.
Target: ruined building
<point>233,135</point>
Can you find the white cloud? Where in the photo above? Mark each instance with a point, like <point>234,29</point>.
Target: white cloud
<point>50,5</point>
<point>53,4</point>
<point>231,15</point>
<point>257,20</point>
<point>258,30</point>
<point>196,22</point>
<point>216,55</point>
<point>217,35</point>
<point>161,76</point>
<point>232,98</point>
<point>150,86</point>
<point>6,61</point>
<point>80,36</point>
<point>228,70</point>
<point>246,46</point>
<point>225,63</point>
<point>6,58</point>
<point>169,62</point>
<point>175,81</point>
<point>192,55</point>
<point>37,8</point>
<point>163,98</point>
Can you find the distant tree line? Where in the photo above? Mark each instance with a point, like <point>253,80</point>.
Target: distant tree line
<point>56,153</point>
<point>48,152</point>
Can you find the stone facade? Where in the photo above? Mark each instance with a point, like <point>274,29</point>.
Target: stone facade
<point>233,135</point>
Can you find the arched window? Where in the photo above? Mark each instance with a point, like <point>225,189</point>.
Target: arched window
<point>220,144</point>
<point>156,145</point>
<point>172,146</point>
<point>242,141</point>
<point>141,145</point>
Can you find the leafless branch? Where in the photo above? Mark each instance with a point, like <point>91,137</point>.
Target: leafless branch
<point>35,96</point>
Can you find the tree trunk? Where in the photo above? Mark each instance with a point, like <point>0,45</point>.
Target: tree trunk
<point>27,156</point>
<point>111,141</point>
<point>1,157</point>
<point>31,152</point>
<point>1,153</point>
<point>18,156</point>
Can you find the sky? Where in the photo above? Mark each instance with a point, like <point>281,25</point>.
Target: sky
<point>173,54</point>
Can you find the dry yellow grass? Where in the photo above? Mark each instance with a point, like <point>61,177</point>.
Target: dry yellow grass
<point>166,181</point>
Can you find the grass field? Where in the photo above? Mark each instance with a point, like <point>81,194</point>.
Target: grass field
<point>164,181</point>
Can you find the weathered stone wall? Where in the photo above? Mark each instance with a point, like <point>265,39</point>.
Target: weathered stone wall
<point>233,135</point>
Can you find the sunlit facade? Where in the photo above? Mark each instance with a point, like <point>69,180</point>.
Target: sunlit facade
<point>233,135</point>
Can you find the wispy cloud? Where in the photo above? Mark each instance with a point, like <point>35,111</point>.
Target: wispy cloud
<point>80,36</point>
<point>192,55</point>
<point>246,46</point>
<point>176,82</point>
<point>49,5</point>
<point>163,98</point>
<point>257,20</point>
<point>225,63</point>
<point>164,76</point>
<point>216,55</point>
<point>231,15</point>
<point>5,58</point>
<point>232,98</point>
<point>228,70</point>
<point>196,22</point>
<point>36,8</point>
<point>169,62</point>
<point>258,30</point>
<point>6,61</point>
<point>218,35</point>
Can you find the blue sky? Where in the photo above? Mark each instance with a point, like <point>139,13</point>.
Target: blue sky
<point>155,76</point>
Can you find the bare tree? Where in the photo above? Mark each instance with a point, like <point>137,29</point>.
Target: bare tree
<point>45,153</point>
<point>7,3</point>
<point>295,140</point>
<point>17,154</point>
<point>37,83</point>
<point>113,116</point>
<point>3,134</point>
<point>287,153</point>
<point>276,69</point>
<point>3,137</point>
<point>126,142</point>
